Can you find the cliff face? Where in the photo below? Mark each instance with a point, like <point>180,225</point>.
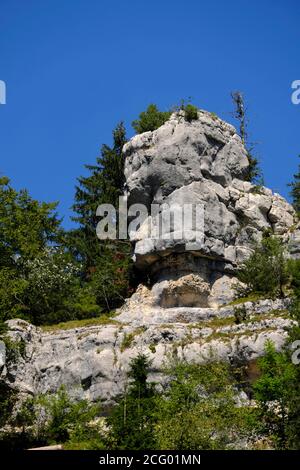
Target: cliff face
<point>203,163</point>
<point>183,312</point>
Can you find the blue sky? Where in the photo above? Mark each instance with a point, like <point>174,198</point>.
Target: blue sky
<point>74,68</point>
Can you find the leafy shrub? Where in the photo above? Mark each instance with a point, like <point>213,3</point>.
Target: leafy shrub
<point>12,294</point>
<point>240,314</point>
<point>265,271</point>
<point>276,392</point>
<point>52,279</point>
<point>190,112</point>
<point>198,410</point>
<point>150,119</point>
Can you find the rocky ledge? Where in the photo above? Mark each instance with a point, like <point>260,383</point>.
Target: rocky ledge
<point>92,361</point>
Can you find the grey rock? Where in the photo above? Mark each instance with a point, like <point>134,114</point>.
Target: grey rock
<point>92,361</point>
<point>203,163</point>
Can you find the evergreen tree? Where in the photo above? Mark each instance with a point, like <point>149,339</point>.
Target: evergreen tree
<point>240,113</point>
<point>150,119</point>
<point>132,419</point>
<point>265,271</point>
<point>295,191</point>
<point>103,186</point>
<point>107,263</point>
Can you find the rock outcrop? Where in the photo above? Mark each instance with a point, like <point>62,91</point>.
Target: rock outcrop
<point>202,163</point>
<point>184,310</point>
<point>92,361</point>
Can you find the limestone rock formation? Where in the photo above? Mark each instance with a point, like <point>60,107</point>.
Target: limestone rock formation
<point>92,361</point>
<point>202,162</point>
<point>184,310</point>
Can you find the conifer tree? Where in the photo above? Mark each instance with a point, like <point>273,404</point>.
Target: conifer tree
<point>295,191</point>
<point>107,263</point>
<point>150,119</point>
<point>104,184</point>
<point>132,419</point>
<point>240,113</point>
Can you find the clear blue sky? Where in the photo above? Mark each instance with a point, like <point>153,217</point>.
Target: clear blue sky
<point>74,68</point>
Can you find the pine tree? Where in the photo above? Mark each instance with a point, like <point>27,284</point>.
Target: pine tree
<point>107,263</point>
<point>150,119</point>
<point>240,113</point>
<point>103,185</point>
<point>265,271</point>
<point>133,418</point>
<point>295,191</point>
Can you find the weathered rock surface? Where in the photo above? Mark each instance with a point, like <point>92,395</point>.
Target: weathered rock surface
<point>184,312</point>
<point>202,162</point>
<point>92,361</point>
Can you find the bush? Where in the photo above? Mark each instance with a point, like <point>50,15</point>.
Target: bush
<point>276,392</point>
<point>240,314</point>
<point>190,112</point>
<point>52,279</point>
<point>150,119</point>
<point>198,410</point>
<point>265,272</point>
<point>52,419</point>
<point>12,294</point>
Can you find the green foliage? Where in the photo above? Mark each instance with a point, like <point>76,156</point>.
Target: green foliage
<point>240,314</point>
<point>82,304</point>
<point>112,277</point>
<point>127,341</point>
<point>295,191</point>
<point>103,319</point>
<point>35,280</point>
<point>45,289</point>
<point>26,226</point>
<point>52,279</point>
<point>13,287</point>
<point>65,418</point>
<point>7,403</point>
<point>293,343</point>
<point>103,185</point>
<point>150,119</point>
<point>275,392</point>
<point>132,419</point>
<point>190,112</point>
<point>49,419</point>
<point>107,265</point>
<point>265,272</point>
<point>254,173</point>
<point>198,410</point>
<point>14,348</point>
